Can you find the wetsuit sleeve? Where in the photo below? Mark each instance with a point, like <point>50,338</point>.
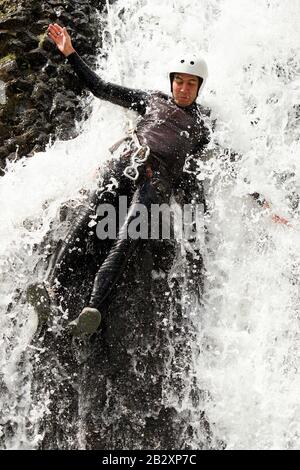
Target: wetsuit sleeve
<point>116,94</point>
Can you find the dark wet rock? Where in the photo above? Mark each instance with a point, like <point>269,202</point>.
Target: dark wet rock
<point>50,68</point>
<point>14,46</point>
<point>19,85</point>
<point>62,102</point>
<point>28,40</point>
<point>40,93</point>
<point>8,70</point>
<point>12,23</point>
<point>33,69</point>
<point>31,116</point>
<point>4,132</point>
<point>37,57</point>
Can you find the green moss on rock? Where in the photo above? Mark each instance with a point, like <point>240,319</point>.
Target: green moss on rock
<point>42,37</point>
<point>7,7</point>
<point>7,58</point>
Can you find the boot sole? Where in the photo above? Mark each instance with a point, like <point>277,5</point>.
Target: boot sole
<point>87,323</point>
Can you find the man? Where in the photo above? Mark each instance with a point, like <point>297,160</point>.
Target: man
<point>169,130</point>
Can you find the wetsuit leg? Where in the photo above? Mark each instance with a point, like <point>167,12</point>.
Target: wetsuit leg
<point>68,249</point>
<point>122,249</point>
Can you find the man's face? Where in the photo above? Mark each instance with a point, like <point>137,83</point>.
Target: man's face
<point>185,88</point>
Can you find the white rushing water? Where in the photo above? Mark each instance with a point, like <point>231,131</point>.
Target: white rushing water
<point>248,330</point>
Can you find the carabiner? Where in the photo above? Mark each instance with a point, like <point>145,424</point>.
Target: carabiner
<point>144,150</point>
<point>136,162</point>
<point>131,168</point>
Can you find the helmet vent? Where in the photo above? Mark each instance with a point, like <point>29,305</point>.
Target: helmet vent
<point>182,61</point>
<point>192,62</point>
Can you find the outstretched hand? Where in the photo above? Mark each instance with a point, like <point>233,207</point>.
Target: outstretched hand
<point>61,38</point>
<point>276,218</point>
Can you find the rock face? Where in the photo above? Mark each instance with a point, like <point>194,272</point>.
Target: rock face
<point>39,96</point>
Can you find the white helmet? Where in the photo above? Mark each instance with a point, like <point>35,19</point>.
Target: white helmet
<point>191,65</point>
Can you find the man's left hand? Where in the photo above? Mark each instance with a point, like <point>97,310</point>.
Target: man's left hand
<point>280,220</point>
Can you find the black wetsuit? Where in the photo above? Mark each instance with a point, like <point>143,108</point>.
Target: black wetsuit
<point>172,133</point>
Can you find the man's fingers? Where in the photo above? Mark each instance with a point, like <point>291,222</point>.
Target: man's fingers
<point>59,28</point>
<point>58,35</point>
<point>58,39</point>
<point>56,30</point>
<point>280,220</point>
<point>53,27</point>
<point>53,35</point>
<point>53,31</point>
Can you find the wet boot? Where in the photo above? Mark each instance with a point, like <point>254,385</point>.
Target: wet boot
<point>86,323</point>
<point>37,295</point>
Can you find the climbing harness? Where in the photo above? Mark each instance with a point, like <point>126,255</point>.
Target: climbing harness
<point>138,158</point>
